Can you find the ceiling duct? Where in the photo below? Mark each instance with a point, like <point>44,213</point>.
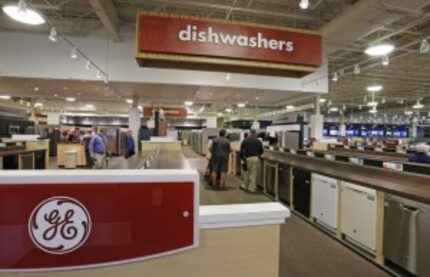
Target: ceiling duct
<point>364,17</point>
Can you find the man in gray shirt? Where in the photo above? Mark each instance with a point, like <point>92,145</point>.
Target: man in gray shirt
<point>220,150</point>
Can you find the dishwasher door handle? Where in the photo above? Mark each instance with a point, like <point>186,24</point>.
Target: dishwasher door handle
<point>409,208</point>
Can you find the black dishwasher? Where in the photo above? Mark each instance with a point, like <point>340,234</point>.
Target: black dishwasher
<point>302,191</point>
<point>260,177</point>
<point>284,183</point>
<point>270,177</point>
<point>39,159</point>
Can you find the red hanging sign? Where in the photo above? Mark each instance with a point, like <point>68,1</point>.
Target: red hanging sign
<point>173,39</point>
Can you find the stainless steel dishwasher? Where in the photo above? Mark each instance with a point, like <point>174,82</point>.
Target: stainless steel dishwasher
<point>407,234</point>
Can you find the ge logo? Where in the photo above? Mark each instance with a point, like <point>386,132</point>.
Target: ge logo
<point>59,225</point>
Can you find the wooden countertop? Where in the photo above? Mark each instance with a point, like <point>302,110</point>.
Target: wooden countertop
<point>170,159</point>
<point>375,153</point>
<point>17,152</point>
<point>409,185</point>
<point>366,155</point>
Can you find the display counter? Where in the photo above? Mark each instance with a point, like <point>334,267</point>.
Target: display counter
<point>152,145</point>
<point>21,158</point>
<point>130,223</point>
<point>32,143</point>
<point>353,203</point>
<point>63,148</point>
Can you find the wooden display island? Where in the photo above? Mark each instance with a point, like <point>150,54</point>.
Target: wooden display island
<point>134,223</point>
<point>63,148</point>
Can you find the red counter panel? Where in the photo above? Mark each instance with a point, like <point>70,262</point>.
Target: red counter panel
<point>79,225</point>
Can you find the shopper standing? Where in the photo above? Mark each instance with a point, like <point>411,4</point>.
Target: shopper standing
<point>129,145</point>
<point>422,154</point>
<point>86,142</point>
<point>220,150</point>
<point>98,149</point>
<point>250,150</point>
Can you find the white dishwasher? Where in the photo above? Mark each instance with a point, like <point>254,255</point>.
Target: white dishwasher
<point>358,215</point>
<point>324,200</point>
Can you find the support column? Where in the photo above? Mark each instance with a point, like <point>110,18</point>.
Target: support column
<point>317,121</point>
<point>134,123</point>
<point>415,122</point>
<point>342,126</point>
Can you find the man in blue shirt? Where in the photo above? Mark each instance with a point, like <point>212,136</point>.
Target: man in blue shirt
<point>129,146</point>
<point>422,154</point>
<point>98,149</point>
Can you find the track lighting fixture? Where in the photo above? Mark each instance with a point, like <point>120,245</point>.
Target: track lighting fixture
<point>385,60</point>
<point>425,47</point>
<point>88,65</point>
<point>357,69</point>
<point>53,35</point>
<point>335,77</point>
<point>73,53</point>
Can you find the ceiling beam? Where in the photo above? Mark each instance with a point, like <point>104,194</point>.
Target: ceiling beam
<point>108,16</point>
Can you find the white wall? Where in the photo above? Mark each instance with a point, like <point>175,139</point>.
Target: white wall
<point>34,56</point>
<point>53,118</point>
<point>211,122</point>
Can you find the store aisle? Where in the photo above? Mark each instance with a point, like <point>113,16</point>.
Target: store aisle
<point>211,196</point>
<point>305,251</point>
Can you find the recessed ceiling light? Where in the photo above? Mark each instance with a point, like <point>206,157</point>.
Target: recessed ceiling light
<point>227,77</point>
<point>55,95</point>
<point>65,88</point>
<point>374,88</point>
<point>304,4</point>
<point>70,99</point>
<point>290,107</point>
<point>220,114</point>
<point>188,103</point>
<point>379,49</point>
<point>257,98</point>
<point>5,97</point>
<point>323,100</point>
<point>89,106</point>
<point>372,104</point>
<point>241,105</point>
<point>228,110</point>
<point>334,109</point>
<point>408,113</point>
<point>130,101</point>
<point>38,104</point>
<point>36,88</point>
<point>23,14</point>
<point>374,110</point>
